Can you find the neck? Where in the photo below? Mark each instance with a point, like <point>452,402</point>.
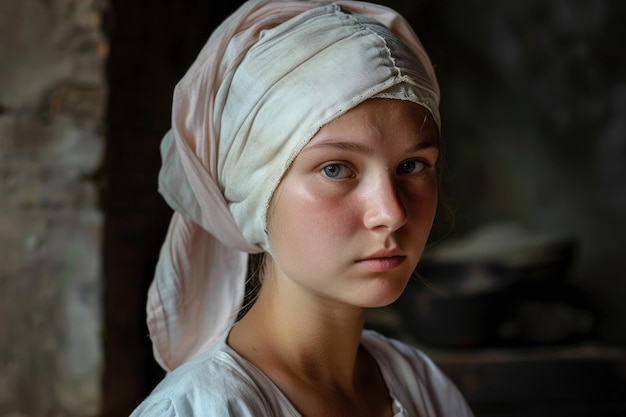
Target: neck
<point>294,330</point>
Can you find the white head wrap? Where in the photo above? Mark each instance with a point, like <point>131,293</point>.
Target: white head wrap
<point>268,78</point>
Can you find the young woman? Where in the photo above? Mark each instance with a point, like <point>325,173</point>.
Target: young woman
<point>308,132</point>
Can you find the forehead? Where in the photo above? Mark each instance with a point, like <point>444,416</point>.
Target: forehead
<point>380,117</point>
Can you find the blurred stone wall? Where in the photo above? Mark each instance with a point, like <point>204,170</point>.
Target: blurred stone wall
<point>52,101</point>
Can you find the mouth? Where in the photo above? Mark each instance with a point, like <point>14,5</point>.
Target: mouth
<point>382,261</point>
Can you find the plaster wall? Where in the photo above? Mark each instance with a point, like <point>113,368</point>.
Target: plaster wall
<point>52,96</point>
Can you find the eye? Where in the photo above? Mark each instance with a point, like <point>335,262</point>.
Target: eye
<point>336,171</point>
<point>411,167</point>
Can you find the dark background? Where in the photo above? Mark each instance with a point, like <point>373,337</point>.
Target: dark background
<point>533,108</point>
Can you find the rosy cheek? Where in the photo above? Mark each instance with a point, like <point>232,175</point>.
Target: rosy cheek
<point>328,215</point>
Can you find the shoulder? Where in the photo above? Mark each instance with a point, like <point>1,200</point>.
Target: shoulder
<point>414,379</point>
<point>214,382</point>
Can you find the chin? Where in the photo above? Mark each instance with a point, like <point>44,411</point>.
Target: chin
<point>385,293</point>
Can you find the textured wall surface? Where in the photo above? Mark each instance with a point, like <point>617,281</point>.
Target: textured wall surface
<point>52,96</point>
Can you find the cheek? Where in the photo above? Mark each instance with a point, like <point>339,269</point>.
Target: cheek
<point>421,206</point>
<point>305,220</point>
<point>428,203</point>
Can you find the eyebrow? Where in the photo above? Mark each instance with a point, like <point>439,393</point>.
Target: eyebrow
<point>357,147</point>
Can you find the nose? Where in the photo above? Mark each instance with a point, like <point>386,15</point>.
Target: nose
<point>385,208</point>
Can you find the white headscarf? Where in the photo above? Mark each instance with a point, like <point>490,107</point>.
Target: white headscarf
<point>268,78</point>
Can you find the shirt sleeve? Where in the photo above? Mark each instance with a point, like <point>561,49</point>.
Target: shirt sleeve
<point>225,406</point>
<point>162,408</point>
<point>213,388</point>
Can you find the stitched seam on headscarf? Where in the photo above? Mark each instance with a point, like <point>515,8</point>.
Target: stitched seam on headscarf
<point>390,57</point>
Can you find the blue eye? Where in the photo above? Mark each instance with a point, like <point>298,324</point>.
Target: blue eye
<point>411,167</point>
<point>336,171</point>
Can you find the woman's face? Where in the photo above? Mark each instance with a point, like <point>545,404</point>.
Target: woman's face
<point>350,218</point>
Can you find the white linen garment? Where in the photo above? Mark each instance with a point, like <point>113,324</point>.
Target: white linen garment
<point>220,383</point>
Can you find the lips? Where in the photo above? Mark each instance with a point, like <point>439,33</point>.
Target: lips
<point>383,260</point>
